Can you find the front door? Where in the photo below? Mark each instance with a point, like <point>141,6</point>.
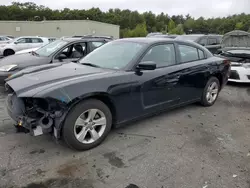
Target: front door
<point>158,86</point>
<point>23,43</point>
<point>72,53</point>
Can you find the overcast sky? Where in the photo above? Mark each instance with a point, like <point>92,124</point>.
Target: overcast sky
<point>196,8</point>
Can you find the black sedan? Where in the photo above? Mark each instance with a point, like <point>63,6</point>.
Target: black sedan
<point>119,82</point>
<point>59,51</point>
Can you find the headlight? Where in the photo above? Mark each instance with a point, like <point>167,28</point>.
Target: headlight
<point>7,68</point>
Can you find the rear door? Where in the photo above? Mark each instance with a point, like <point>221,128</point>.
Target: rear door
<point>36,42</point>
<point>192,71</point>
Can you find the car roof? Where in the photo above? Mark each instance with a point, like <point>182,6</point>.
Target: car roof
<point>149,40</point>
<point>83,39</point>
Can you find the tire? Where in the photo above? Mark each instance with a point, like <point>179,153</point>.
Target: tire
<point>70,130</point>
<point>205,99</point>
<point>8,52</point>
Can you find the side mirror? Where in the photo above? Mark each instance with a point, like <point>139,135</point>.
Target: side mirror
<point>16,42</point>
<point>146,65</point>
<point>62,56</point>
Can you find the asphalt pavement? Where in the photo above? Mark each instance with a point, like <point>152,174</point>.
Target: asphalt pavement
<point>189,147</point>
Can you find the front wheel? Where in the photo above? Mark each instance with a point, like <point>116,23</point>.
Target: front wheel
<point>87,125</point>
<point>210,92</point>
<point>8,52</point>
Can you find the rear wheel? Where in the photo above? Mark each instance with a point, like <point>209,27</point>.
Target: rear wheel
<point>8,52</point>
<point>87,125</point>
<point>210,92</point>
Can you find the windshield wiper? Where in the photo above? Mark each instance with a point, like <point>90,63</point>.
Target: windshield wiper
<point>90,64</point>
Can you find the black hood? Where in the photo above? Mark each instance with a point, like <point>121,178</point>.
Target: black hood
<point>53,77</point>
<point>24,60</point>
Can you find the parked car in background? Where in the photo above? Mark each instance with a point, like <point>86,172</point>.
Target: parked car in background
<point>34,49</point>
<point>211,41</point>
<point>5,39</point>
<point>236,48</point>
<point>164,36</point>
<point>59,51</point>
<point>123,80</point>
<point>22,43</point>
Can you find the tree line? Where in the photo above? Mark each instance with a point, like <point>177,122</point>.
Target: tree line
<point>132,23</point>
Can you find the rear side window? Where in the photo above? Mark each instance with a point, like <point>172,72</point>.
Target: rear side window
<point>212,41</point>
<point>188,53</point>
<point>203,42</point>
<point>36,40</point>
<point>96,44</point>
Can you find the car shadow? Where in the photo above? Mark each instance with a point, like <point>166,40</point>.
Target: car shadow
<point>241,85</point>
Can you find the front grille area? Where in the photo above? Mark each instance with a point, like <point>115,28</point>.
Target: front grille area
<point>234,75</point>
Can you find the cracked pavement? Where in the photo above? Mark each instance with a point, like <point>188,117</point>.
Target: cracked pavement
<point>187,147</point>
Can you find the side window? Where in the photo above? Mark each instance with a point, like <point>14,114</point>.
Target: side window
<point>24,40</point>
<point>212,41</point>
<point>203,42</point>
<point>77,50</point>
<point>96,44</point>
<point>188,53</point>
<point>163,55</point>
<point>1,38</point>
<point>219,39</point>
<point>201,54</point>
<point>36,40</point>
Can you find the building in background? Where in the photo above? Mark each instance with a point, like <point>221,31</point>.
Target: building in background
<point>58,28</point>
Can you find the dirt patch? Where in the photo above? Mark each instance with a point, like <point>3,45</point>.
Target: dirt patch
<point>62,183</point>
<point>67,170</point>
<point>114,160</point>
<point>37,151</point>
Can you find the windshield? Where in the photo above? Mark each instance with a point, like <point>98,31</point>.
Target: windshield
<point>113,55</point>
<point>188,37</point>
<point>50,48</point>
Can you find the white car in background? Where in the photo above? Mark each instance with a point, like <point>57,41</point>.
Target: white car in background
<point>236,48</point>
<point>51,39</point>
<point>22,43</point>
<point>5,39</point>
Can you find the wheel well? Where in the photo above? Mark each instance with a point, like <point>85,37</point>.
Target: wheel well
<point>8,49</point>
<point>106,100</point>
<point>219,77</point>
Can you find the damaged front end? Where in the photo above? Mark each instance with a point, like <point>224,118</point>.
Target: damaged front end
<point>36,115</point>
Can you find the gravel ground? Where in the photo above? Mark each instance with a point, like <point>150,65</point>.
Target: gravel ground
<point>190,147</point>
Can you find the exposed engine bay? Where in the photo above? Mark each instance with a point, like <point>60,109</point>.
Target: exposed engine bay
<point>36,115</point>
<point>240,65</point>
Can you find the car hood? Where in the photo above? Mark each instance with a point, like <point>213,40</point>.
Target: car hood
<point>53,77</point>
<point>24,60</point>
<point>236,40</point>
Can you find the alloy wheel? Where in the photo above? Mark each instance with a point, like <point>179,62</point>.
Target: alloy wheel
<point>212,92</point>
<point>90,126</point>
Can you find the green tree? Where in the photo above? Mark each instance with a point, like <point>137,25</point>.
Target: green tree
<point>239,25</point>
<point>178,30</point>
<point>171,25</point>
